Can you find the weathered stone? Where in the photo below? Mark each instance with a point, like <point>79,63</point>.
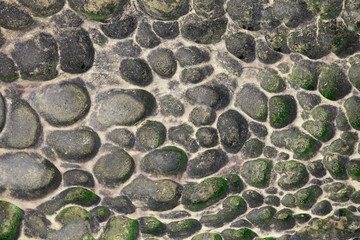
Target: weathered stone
<point>162,61</point>
<point>253,198</point>
<point>120,204</point>
<point>151,225</point>
<point>127,48</point>
<point>43,9</point>
<point>100,213</point>
<point>97,9</point>
<point>353,169</point>
<point>206,163</point>
<point>119,228</point>
<point>261,217</point>
<point>165,10</point>
<point>215,96</point>
<point>207,236</point>
<point>316,168</point>
<point>165,161</point>
<point>233,130</point>
<point>265,54</point>
<point>13,17</point>
<point>307,100</point>
<point>235,184</point>
<point>136,71</point>
<point>322,208</point>
<point>277,39</point>
<point>202,115</point>
<point>145,36</point>
<point>150,136</point>
<point>320,130</point>
<point>352,107</point>
<point>242,233</point>
<point>171,106</point>
<point>257,173</point>
<point>282,110</point>
<point>8,70</point>
<point>272,200</point>
<point>258,129</point>
<point>338,191</point>
<point>242,46</point>
<point>248,19</point>
<point>335,164</point>
<point>10,220</point>
<point>307,197</point>
<point>183,228</point>
<point>207,137</point>
<point>167,30</point>
<point>305,74</point>
<point>232,65</point>
<point>189,56</point>
<point>327,9</point>
<point>271,81</point>
<point>122,137</point>
<point>120,26</point>
<point>253,148</point>
<point>253,102</point>
<point>114,168</point>
<point>36,225</point>
<point>324,113</point>
<point>293,175</point>
<point>66,18</point>
<point>182,135</point>
<point>78,177</point>
<point>77,230</point>
<point>196,74</point>
<point>291,13</point>
<point>72,214</point>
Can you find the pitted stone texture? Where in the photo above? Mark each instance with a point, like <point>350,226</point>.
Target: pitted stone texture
<point>165,10</point>
<point>167,30</point>
<point>122,137</point>
<point>66,18</point>
<point>120,26</point>
<point>206,163</point>
<point>22,128</point>
<point>61,104</point>
<point>257,173</point>
<point>150,136</point>
<point>182,135</point>
<point>157,195</point>
<point>10,220</point>
<point>136,71</point>
<point>37,58</point>
<point>120,227</point>
<point>162,61</point>
<point>77,177</point>
<point>75,145</point>
<point>8,70</point>
<point>76,51</point>
<point>171,106</point>
<point>114,168</point>
<point>123,107</point>
<point>293,175</point>
<point>44,8</point>
<point>189,56</point>
<point>13,17</point>
<point>27,175</point>
<point>215,96</point>
<point>242,46</point>
<point>97,9</point>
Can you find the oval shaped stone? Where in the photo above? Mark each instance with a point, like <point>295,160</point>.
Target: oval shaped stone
<point>114,168</point>
<point>124,107</point>
<point>28,176</point>
<point>257,173</point>
<point>43,8</point>
<point>165,161</point>
<point>164,10</point>
<point>10,219</point>
<point>97,9</point>
<point>352,107</point>
<point>75,145</point>
<point>206,163</point>
<point>13,17</point>
<point>62,104</point>
<point>162,61</point>
<point>150,136</point>
<point>23,127</point>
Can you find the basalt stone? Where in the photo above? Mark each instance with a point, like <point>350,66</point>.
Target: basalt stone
<point>36,225</point>
<point>65,19</point>
<point>327,9</point>
<point>261,217</point>
<point>167,30</point>
<point>258,129</point>
<point>282,110</point>
<point>207,137</point>
<point>305,74</point>
<point>242,233</point>
<point>316,168</point>
<point>13,17</point>
<point>28,175</point>
<point>203,31</point>
<point>215,96</point>
<point>165,161</point>
<point>165,10</point>
<point>145,36</point>
<point>196,74</point>
<point>204,194</point>
<point>206,163</point>
<point>334,36</point>
<point>271,81</point>
<point>320,130</point>
<point>162,61</point>
<point>37,58</point>
<point>308,100</point>
<point>242,46</point>
<point>336,165</point>
<point>61,104</point>
<point>324,113</point>
<point>233,130</point>
<point>122,137</point>
<point>291,13</point>
<point>183,228</point>
<point>277,39</point>
<point>120,227</point>
<point>272,200</point>
<point>10,220</point>
<point>253,198</point>
<point>253,102</point>
<point>235,184</point>
<point>289,201</point>
<point>210,9</point>
<point>73,214</point>
<point>270,152</point>
<point>120,26</point>
<point>157,195</point>
<point>351,15</point>
<point>8,70</point>
<point>150,135</point>
<point>354,75</point>
<point>127,48</point>
<point>353,169</point>
<point>342,147</point>
<point>202,115</point>
<point>265,54</point>
<point>257,173</point>
<point>322,208</point>
<point>97,9</point>
<point>136,71</point>
<point>78,177</point>
<point>76,230</point>
<point>120,204</point>
<point>241,223</point>
<point>307,197</point>
<point>304,40</point>
<point>249,20</point>
<point>352,107</point>
<point>100,213</point>
<point>23,128</point>
<point>339,192</point>
<point>301,144</point>
<point>43,9</point>
<point>74,145</point>
<point>75,195</point>
<point>114,168</point>
<point>207,236</point>
<point>253,148</point>
<point>151,225</point>
<point>182,135</point>
<point>293,175</point>
<point>189,56</point>
<point>284,220</point>
<point>123,107</point>
<point>170,105</point>
<point>302,217</point>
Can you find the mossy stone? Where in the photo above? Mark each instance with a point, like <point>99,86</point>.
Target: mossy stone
<point>271,81</point>
<point>289,200</point>
<point>336,165</point>
<point>101,213</point>
<point>307,197</point>
<point>10,219</point>
<point>257,173</point>
<point>282,110</point>
<point>253,198</point>
<point>322,208</point>
<point>324,113</point>
<point>305,74</point>
<point>253,148</point>
<point>316,168</point>
<point>120,228</point>
<point>339,192</point>
<point>302,217</point>
<point>207,236</point>
<point>235,184</point>
<point>151,225</point>
<point>262,217</point>
<point>320,130</point>
<point>352,107</point>
<point>183,228</point>
<point>150,135</point>
<point>270,152</point>
<point>283,220</point>
<point>353,169</point>
<point>333,84</point>
<point>242,233</point>
<point>293,175</point>
<point>73,213</point>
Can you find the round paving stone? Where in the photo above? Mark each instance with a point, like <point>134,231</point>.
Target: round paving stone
<point>136,71</point>
<point>10,219</point>
<point>271,81</point>
<point>150,135</point>
<point>62,104</point>
<point>167,30</point>
<point>28,175</point>
<point>75,145</point>
<point>206,163</point>
<point>352,107</point>
<point>145,36</point>
<point>248,19</point>
<point>77,177</point>
<point>257,173</point>
<point>120,227</point>
<point>13,17</point>
<point>8,70</point>
<point>114,168</point>
<point>293,175</point>
<point>37,58</point>
<point>162,61</point>
<point>97,9</point>
<point>207,137</point>
<point>171,105</point>
<point>282,110</point>
<point>188,56</point>
<point>44,8</point>
<point>216,97</point>
<point>165,10</point>
<point>242,46</point>
<point>120,26</point>
<point>122,137</point>
<point>202,115</point>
